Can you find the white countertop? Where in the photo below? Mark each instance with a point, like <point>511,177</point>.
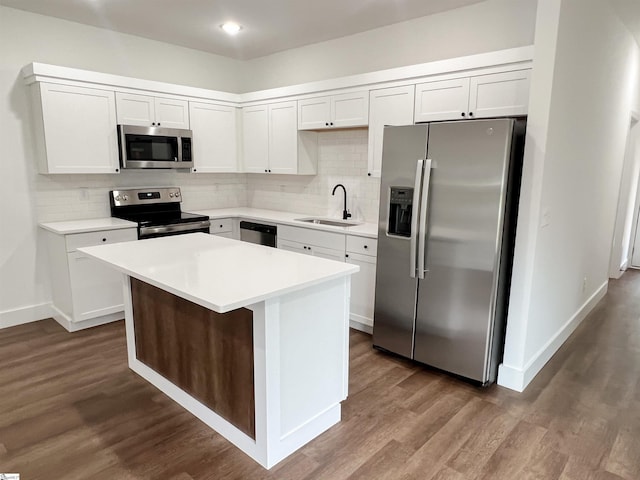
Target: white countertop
<point>90,225</point>
<point>273,216</point>
<point>215,272</point>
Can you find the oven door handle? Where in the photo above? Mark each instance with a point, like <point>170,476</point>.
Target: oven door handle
<point>180,227</point>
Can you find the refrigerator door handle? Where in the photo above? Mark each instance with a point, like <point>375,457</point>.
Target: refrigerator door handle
<point>422,232</point>
<point>414,218</point>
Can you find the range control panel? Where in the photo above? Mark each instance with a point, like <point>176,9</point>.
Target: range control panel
<point>146,196</point>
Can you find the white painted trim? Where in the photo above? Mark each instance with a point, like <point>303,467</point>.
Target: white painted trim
<point>22,315</point>
<point>355,322</point>
<point>70,326</point>
<point>510,59</point>
<point>518,55</point>
<point>42,72</point>
<point>516,378</point>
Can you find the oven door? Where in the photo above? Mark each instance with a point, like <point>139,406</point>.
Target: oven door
<point>175,229</point>
<point>154,147</point>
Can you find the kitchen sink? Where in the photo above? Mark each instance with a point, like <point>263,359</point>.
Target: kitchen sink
<point>328,221</point>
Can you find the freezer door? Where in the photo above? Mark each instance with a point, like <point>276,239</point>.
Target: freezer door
<point>403,153</point>
<point>456,300</point>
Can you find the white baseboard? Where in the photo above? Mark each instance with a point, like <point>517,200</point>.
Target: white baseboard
<point>516,378</point>
<point>359,322</point>
<point>70,326</point>
<point>19,316</point>
<point>363,327</point>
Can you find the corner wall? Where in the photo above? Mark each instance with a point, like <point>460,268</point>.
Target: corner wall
<point>573,166</point>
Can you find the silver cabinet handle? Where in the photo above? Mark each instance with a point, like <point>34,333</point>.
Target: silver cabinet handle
<point>424,206</point>
<point>414,218</point>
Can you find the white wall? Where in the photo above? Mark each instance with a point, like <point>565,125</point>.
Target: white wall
<point>342,158</point>
<point>479,28</point>
<point>581,96</point>
<point>29,197</point>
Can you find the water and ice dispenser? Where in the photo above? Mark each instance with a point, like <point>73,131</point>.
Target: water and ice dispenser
<point>400,207</point>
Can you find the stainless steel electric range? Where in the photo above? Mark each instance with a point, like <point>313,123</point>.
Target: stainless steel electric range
<point>156,211</point>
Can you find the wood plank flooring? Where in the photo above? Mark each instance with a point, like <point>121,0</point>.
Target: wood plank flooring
<point>71,409</point>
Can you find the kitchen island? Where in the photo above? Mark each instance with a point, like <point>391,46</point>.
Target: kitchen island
<point>250,339</point>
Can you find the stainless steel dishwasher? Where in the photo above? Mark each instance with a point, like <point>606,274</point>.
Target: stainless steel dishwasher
<point>259,233</point>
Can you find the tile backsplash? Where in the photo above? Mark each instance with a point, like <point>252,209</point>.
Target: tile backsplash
<point>342,158</point>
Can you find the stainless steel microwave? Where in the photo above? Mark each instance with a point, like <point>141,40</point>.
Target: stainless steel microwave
<point>154,147</point>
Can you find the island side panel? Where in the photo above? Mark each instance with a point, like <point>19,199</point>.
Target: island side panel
<point>207,354</point>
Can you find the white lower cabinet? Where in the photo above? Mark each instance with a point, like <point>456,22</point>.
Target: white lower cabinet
<point>353,249</point>
<point>312,242</point>
<point>86,293</point>
<point>361,251</point>
<point>223,227</point>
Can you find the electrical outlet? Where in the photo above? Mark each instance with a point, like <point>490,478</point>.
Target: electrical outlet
<point>584,284</point>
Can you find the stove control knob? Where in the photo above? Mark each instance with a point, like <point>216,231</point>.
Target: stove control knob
<point>125,198</point>
<point>171,195</point>
<point>177,194</point>
<point>117,198</point>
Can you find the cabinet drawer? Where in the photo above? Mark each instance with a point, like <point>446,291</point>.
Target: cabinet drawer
<point>362,245</point>
<point>221,225</point>
<point>310,236</point>
<point>79,240</point>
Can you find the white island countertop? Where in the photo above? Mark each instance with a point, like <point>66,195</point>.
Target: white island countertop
<point>218,273</point>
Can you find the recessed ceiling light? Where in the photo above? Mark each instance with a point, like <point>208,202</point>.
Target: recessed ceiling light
<point>231,28</point>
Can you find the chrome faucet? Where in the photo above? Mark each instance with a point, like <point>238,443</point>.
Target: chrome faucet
<point>345,212</point>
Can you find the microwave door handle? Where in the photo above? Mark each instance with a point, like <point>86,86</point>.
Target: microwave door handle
<point>414,218</point>
<point>424,210</point>
<point>179,148</point>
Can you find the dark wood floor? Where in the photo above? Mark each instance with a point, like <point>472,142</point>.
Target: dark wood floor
<point>71,409</point>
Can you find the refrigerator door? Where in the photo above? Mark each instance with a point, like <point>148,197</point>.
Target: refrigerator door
<point>457,298</point>
<point>403,154</point>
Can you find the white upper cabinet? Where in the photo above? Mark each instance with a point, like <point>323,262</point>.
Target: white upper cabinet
<point>335,111</point>
<point>272,143</point>
<point>283,138</point>
<point>75,129</point>
<point>147,111</point>
<point>442,100</point>
<point>387,106</point>
<point>215,147</point>
<point>481,96</point>
<point>500,94</point>
<point>255,138</point>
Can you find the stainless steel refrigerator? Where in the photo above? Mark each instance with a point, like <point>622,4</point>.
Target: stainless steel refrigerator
<point>448,195</point>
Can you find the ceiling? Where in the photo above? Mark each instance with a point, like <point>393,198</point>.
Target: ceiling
<point>269,26</point>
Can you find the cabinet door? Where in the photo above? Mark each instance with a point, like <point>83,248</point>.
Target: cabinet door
<point>283,138</point>
<point>79,130</point>
<point>214,138</point>
<point>255,139</point>
<point>293,246</point>
<point>500,94</point>
<point>172,113</point>
<point>388,106</point>
<point>314,113</point>
<point>96,288</point>
<point>363,288</point>
<point>135,109</point>
<point>350,110</point>
<point>442,100</point>
<point>328,253</point>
